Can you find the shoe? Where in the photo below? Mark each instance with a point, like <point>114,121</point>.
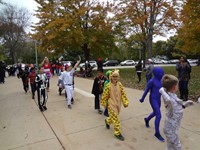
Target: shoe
<point>159,137</point>
<point>45,108</point>
<point>41,109</point>
<point>33,97</point>
<point>69,106</point>
<point>120,137</point>
<point>146,122</point>
<point>107,125</point>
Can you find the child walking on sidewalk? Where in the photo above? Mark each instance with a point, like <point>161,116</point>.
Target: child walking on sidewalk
<point>174,111</point>
<point>113,97</point>
<point>41,86</point>
<point>31,77</point>
<point>154,98</point>
<point>97,89</point>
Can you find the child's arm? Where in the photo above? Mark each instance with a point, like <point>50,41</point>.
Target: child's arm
<point>164,94</point>
<point>123,94</point>
<point>148,87</point>
<point>105,95</point>
<point>77,63</point>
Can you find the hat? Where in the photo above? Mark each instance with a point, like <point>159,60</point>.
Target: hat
<point>66,66</point>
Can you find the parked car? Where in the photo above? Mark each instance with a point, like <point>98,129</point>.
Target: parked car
<point>165,61</point>
<point>69,63</point>
<point>193,61</point>
<point>157,61</point>
<point>111,63</point>
<point>92,63</point>
<point>127,63</point>
<point>173,61</point>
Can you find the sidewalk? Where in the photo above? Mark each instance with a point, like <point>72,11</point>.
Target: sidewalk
<point>24,127</point>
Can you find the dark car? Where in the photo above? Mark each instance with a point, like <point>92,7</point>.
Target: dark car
<point>111,63</point>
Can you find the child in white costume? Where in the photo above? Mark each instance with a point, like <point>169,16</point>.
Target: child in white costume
<point>174,111</point>
<point>67,78</point>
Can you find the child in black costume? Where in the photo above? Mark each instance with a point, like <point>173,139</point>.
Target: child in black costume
<point>23,74</point>
<point>97,89</point>
<point>41,83</point>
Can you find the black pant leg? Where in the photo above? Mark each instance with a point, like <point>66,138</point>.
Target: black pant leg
<point>43,92</point>
<point>96,103</point>
<point>33,89</point>
<point>39,99</point>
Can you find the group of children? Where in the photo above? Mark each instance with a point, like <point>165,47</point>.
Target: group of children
<point>112,96</point>
<point>109,92</point>
<point>38,82</point>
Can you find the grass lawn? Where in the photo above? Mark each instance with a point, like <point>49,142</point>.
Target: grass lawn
<point>129,79</point>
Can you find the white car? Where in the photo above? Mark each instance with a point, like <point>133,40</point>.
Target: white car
<point>127,63</point>
<point>158,61</point>
<point>92,63</point>
<point>193,61</point>
<point>173,61</point>
<point>69,63</point>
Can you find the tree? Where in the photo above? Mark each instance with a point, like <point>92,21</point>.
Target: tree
<point>148,18</point>
<point>74,25</point>
<point>13,22</point>
<point>189,32</point>
<point>159,48</point>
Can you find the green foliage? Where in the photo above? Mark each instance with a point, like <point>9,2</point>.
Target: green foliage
<point>75,24</point>
<point>146,19</point>
<point>189,33</point>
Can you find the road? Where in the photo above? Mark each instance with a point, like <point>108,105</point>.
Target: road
<point>24,127</point>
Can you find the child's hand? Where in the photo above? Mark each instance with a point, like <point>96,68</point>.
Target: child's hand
<point>188,103</point>
<point>79,58</point>
<point>141,100</point>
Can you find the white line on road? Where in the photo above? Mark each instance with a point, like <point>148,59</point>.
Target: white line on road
<point>84,93</point>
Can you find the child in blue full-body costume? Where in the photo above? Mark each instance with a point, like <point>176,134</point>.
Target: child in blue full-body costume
<point>155,100</point>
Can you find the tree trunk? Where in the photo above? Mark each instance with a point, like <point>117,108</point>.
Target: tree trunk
<point>12,55</point>
<point>150,30</point>
<point>144,54</point>
<point>86,52</point>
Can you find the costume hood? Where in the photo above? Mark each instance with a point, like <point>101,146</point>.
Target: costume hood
<point>114,72</point>
<point>158,73</point>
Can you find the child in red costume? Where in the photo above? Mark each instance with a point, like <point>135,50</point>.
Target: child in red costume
<point>47,70</point>
<point>31,77</point>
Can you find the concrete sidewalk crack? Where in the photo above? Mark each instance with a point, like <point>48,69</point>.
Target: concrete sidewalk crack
<point>31,143</point>
<point>52,129</point>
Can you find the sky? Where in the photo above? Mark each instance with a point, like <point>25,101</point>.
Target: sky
<point>31,5</point>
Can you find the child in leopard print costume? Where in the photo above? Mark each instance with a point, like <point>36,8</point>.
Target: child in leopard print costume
<point>114,96</point>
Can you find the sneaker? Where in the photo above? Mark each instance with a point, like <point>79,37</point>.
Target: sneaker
<point>45,108</point>
<point>41,109</point>
<point>146,122</point>
<point>72,100</point>
<point>120,137</point>
<point>107,125</point>
<point>69,106</point>
<point>159,137</point>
